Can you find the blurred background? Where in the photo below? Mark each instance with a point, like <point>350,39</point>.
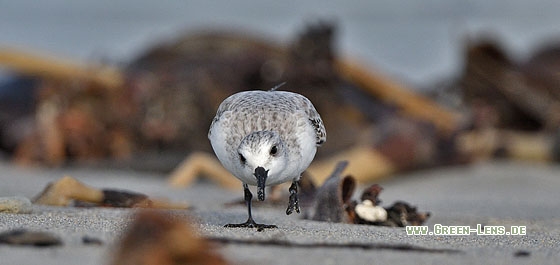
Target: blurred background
<point>416,42</point>
<point>419,84</point>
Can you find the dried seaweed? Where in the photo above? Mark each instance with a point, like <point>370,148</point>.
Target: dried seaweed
<point>333,204</point>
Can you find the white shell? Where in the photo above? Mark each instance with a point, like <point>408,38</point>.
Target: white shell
<point>369,212</point>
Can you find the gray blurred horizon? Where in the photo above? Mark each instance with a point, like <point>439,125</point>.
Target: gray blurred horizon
<point>416,42</point>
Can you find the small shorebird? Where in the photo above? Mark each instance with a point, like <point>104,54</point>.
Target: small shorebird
<point>266,138</point>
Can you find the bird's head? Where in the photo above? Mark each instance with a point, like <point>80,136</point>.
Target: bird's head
<point>262,153</point>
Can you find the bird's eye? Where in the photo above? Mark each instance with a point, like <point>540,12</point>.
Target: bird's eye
<point>274,150</point>
<point>242,158</point>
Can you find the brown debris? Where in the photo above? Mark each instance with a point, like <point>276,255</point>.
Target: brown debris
<point>372,193</point>
<point>68,191</point>
<point>65,190</point>
<point>514,106</point>
<point>333,204</point>
<point>125,199</point>
<point>155,238</point>
<point>492,80</point>
<point>332,197</point>
<point>80,121</point>
<point>401,214</point>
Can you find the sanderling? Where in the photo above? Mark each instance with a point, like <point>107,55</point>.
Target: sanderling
<point>266,138</point>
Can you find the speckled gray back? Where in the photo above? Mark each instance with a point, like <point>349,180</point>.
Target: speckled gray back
<point>250,111</point>
<point>293,125</point>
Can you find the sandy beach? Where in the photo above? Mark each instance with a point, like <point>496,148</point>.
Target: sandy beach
<point>490,194</point>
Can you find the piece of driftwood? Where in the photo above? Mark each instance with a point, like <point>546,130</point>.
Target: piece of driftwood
<point>393,93</point>
<point>31,64</point>
<point>200,163</point>
<point>365,164</point>
<point>68,191</point>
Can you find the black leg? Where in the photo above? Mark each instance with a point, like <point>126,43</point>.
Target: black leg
<point>293,204</point>
<point>250,223</point>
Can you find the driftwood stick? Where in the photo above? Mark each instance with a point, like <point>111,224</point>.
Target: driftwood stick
<point>390,92</point>
<point>55,68</point>
<point>199,163</point>
<point>365,164</point>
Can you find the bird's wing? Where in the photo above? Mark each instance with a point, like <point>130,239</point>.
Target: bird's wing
<point>320,132</point>
<point>224,106</point>
<point>316,121</point>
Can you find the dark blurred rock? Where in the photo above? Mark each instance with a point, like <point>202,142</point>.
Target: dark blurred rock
<point>29,238</point>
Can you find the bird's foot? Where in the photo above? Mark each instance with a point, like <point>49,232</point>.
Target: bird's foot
<point>251,224</point>
<point>293,203</point>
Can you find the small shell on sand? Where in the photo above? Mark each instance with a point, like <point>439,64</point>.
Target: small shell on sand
<point>17,204</point>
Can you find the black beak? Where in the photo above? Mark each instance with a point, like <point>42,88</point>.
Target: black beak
<point>261,176</point>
